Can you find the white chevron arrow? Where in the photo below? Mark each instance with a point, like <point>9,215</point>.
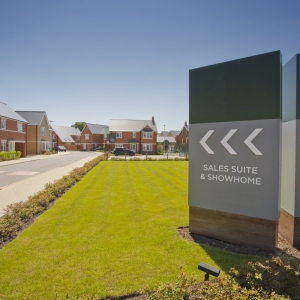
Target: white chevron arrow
<point>250,138</point>
<point>226,139</point>
<point>204,139</point>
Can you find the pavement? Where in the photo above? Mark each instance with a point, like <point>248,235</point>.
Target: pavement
<point>21,190</point>
<point>145,157</point>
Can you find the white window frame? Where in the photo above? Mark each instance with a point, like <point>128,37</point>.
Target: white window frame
<point>11,146</point>
<point>119,146</point>
<point>119,135</point>
<point>87,136</point>
<point>20,127</point>
<point>147,135</point>
<point>43,131</point>
<point>134,134</point>
<point>45,146</point>
<point>3,146</point>
<point>3,124</point>
<point>147,147</point>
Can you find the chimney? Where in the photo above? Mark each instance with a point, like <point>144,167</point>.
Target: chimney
<point>185,123</point>
<point>153,120</point>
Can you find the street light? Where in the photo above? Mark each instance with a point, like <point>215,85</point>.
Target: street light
<point>164,140</point>
<point>51,134</point>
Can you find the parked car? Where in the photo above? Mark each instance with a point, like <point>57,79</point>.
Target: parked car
<point>97,148</point>
<point>120,151</point>
<point>59,148</point>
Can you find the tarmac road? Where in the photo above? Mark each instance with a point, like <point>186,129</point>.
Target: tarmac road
<point>27,185</point>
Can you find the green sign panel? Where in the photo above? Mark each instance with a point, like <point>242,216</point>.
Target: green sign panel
<point>112,137</point>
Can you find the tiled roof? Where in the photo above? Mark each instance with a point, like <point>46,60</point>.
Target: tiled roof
<point>7,112</point>
<point>131,125</point>
<point>164,133</point>
<point>97,129</point>
<point>160,139</point>
<point>174,132</point>
<point>33,117</point>
<point>65,132</point>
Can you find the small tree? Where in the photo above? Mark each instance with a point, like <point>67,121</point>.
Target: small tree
<point>79,125</point>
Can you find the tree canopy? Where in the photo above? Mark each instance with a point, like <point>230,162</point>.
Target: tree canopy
<point>79,125</point>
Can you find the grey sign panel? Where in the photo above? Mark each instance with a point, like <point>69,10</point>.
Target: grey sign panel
<point>234,167</point>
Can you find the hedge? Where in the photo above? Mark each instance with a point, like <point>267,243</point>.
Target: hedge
<point>10,155</point>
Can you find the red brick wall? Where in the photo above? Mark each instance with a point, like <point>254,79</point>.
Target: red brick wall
<point>68,146</point>
<point>93,141</point>
<point>182,136</point>
<point>128,136</point>
<point>12,133</point>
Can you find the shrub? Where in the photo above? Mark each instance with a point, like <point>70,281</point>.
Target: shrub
<point>224,288</point>
<point>10,155</point>
<point>278,274</point>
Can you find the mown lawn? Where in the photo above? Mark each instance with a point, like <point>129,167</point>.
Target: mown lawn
<point>114,233</point>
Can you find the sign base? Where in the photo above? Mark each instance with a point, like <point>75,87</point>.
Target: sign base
<point>289,228</point>
<point>236,229</point>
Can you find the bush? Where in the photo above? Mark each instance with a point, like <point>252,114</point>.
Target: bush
<point>279,274</point>
<point>225,288</point>
<point>18,214</point>
<point>10,155</point>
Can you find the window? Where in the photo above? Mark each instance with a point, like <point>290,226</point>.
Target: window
<point>43,131</point>
<point>147,135</point>
<point>11,146</point>
<point>20,127</point>
<point>3,124</point>
<point>119,146</point>
<point>87,136</point>
<point>119,134</point>
<point>147,147</point>
<point>134,134</point>
<point>3,146</point>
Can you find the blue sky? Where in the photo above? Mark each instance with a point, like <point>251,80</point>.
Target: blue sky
<point>129,59</point>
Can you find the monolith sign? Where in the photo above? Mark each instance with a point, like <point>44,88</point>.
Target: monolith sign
<point>289,222</point>
<point>234,173</point>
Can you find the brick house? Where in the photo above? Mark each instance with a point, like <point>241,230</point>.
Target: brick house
<point>166,144</point>
<point>39,131</point>
<point>92,136</point>
<point>66,136</point>
<point>13,130</point>
<point>182,139</point>
<point>171,133</point>
<point>137,135</point>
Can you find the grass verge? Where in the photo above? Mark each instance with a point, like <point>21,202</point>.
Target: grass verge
<point>113,233</point>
